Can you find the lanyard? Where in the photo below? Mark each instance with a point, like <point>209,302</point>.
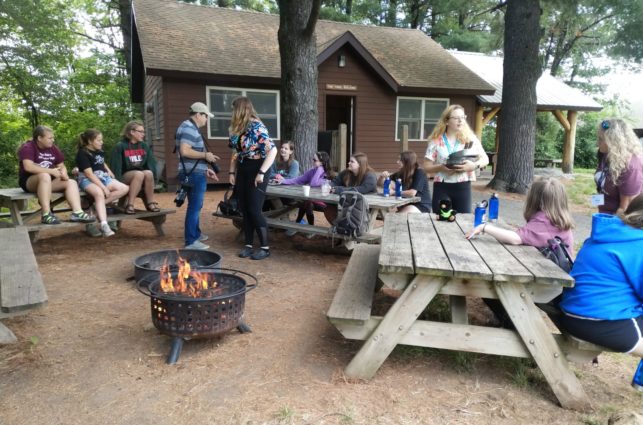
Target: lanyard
<point>448,146</point>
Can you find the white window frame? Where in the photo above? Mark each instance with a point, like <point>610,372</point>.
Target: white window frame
<point>422,108</point>
<point>244,91</point>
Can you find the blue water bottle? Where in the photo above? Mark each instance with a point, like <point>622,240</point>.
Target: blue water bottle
<point>387,186</point>
<point>494,205</point>
<point>398,189</point>
<point>480,212</point>
<point>637,381</point>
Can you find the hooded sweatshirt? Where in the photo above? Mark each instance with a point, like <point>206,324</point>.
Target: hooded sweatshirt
<point>608,272</point>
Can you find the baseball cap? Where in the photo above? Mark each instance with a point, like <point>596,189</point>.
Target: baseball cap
<point>201,108</point>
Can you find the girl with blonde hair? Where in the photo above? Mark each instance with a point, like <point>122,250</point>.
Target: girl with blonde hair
<point>253,155</point>
<point>453,182</point>
<point>546,213</point>
<point>619,175</point>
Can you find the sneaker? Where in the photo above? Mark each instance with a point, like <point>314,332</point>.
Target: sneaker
<point>203,237</point>
<point>245,252</point>
<point>106,231</point>
<point>82,217</point>
<point>93,230</point>
<point>113,225</point>
<point>291,232</point>
<point>260,254</point>
<point>49,218</point>
<point>197,245</point>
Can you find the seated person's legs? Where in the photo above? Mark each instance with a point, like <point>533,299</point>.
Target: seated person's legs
<point>116,191</point>
<point>40,184</point>
<point>409,209</point>
<point>134,179</point>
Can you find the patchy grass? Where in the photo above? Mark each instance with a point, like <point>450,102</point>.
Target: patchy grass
<point>581,187</point>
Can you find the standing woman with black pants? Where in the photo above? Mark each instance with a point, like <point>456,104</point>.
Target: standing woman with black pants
<point>452,134</point>
<point>252,158</point>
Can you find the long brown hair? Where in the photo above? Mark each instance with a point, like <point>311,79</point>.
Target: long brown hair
<point>351,179</point>
<point>548,195</point>
<point>409,161</point>
<point>324,158</point>
<point>242,113</point>
<point>279,163</point>
<point>464,135</point>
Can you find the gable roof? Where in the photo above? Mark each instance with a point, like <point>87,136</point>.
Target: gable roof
<point>552,93</point>
<point>244,43</point>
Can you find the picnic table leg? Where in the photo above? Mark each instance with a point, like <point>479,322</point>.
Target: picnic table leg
<point>14,209</point>
<point>377,347</point>
<point>458,306</point>
<point>542,346</point>
<point>158,223</point>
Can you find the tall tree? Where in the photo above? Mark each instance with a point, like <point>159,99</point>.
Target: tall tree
<point>298,52</point>
<point>521,71</point>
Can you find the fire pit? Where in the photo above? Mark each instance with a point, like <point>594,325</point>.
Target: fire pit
<point>196,302</point>
<point>150,264</point>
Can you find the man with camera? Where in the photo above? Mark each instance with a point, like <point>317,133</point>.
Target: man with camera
<point>194,161</point>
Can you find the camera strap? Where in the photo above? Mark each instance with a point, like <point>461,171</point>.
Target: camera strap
<point>176,144</point>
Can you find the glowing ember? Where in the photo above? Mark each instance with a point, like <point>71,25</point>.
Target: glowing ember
<point>187,281</point>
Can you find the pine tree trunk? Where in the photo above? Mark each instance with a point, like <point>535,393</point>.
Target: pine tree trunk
<point>521,71</point>
<point>298,51</point>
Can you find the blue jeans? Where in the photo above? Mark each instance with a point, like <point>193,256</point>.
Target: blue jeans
<point>192,230</point>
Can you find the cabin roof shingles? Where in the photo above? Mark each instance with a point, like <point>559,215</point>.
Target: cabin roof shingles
<point>191,38</point>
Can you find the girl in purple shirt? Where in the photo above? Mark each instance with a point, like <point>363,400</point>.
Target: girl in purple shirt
<point>313,177</point>
<point>547,214</point>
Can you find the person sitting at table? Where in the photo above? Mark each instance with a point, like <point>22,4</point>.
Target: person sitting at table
<point>96,178</point>
<point>547,214</point>
<point>357,176</point>
<point>314,178</point>
<point>285,165</point>
<point>42,171</point>
<point>605,306</point>
<point>133,163</point>
<point>414,183</point>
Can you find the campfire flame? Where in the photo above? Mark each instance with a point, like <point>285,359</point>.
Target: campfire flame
<point>187,282</point>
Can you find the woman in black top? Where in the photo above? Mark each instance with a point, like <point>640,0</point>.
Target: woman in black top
<point>414,183</point>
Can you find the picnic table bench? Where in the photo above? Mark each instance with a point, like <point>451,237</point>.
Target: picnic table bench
<point>17,200</point>
<point>279,217</point>
<point>547,162</point>
<point>423,257</point>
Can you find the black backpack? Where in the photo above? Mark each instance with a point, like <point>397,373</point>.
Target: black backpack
<point>230,205</point>
<point>556,251</point>
<point>352,214</point>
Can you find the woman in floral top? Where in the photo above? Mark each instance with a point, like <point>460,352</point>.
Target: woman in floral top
<point>452,134</point>
<point>253,156</point>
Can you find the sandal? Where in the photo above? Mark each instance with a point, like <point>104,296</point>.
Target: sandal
<point>129,209</point>
<point>153,207</point>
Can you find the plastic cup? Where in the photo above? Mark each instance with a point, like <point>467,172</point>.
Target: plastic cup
<point>306,189</point>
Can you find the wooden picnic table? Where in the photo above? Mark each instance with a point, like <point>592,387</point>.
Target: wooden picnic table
<point>378,205</point>
<point>423,257</point>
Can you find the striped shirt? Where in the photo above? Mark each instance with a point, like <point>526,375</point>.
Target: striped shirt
<point>188,133</point>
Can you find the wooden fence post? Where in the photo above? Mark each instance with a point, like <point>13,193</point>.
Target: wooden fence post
<point>405,138</point>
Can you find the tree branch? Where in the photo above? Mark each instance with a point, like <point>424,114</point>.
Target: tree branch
<point>312,18</point>
<point>113,46</point>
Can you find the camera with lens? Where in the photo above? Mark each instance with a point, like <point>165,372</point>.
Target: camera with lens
<point>182,193</point>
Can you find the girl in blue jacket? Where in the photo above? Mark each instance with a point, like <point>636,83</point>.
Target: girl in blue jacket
<point>605,306</point>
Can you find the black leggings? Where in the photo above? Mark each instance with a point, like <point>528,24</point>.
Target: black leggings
<point>458,193</point>
<point>250,197</point>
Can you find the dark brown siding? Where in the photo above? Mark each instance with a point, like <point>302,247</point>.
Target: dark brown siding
<point>153,100</point>
<point>375,104</point>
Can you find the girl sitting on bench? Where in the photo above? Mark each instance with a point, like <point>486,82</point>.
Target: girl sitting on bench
<point>96,178</point>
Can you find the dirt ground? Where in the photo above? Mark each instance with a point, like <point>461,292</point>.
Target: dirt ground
<point>92,356</point>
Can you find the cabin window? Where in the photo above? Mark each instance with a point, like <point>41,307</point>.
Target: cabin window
<point>419,114</point>
<point>266,103</point>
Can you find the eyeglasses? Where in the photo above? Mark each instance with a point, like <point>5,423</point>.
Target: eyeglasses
<point>462,118</point>
<point>139,131</point>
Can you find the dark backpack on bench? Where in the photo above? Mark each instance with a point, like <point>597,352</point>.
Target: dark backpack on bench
<point>556,251</point>
<point>352,214</point>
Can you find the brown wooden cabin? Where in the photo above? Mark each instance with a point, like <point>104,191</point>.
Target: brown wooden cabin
<point>374,79</point>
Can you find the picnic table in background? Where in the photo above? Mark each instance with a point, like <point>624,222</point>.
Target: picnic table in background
<point>423,257</point>
<point>378,206</point>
